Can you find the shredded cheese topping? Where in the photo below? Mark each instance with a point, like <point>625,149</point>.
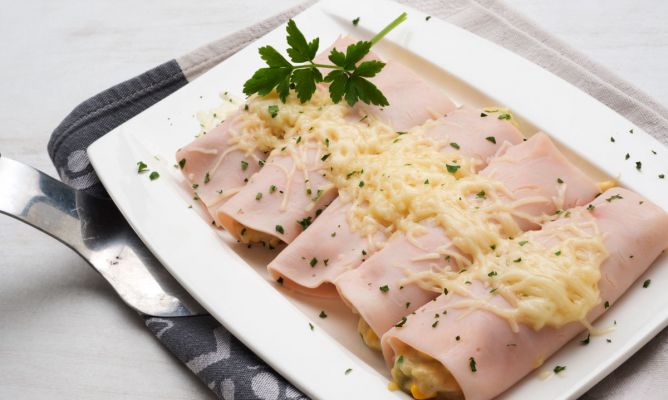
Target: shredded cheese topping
<point>406,181</point>
<point>542,279</point>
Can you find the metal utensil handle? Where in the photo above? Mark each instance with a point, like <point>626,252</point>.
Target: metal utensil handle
<point>45,203</point>
<point>96,230</point>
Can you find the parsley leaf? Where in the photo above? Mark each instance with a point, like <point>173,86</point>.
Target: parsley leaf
<point>300,50</point>
<point>347,79</point>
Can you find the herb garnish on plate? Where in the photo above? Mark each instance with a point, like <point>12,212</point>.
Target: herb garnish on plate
<point>348,80</point>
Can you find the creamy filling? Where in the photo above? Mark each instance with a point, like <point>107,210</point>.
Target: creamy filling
<point>422,376</point>
<point>368,335</point>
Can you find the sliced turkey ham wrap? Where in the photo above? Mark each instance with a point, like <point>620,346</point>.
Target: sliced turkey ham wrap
<point>302,189</point>
<point>330,237</point>
<point>538,180</point>
<point>467,353</point>
<point>215,165</point>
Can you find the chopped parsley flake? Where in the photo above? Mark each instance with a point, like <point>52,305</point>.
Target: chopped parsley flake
<point>154,175</point>
<point>445,291</point>
<point>273,110</point>
<point>426,181</point>
<point>591,207</point>
<point>141,167</point>
<point>454,145</point>
<point>207,178</point>
<point>560,181</point>
<point>272,188</point>
<point>505,116</point>
<point>305,223</point>
<point>325,157</point>
<point>518,260</point>
<point>646,283</point>
<point>313,262</point>
<point>638,165</point>
<point>491,138</point>
<point>457,338</point>
<point>483,115</point>
<point>361,184</point>
<point>311,326</point>
<point>258,196</point>
<point>356,21</point>
<point>627,156</point>
<point>427,18</point>
<point>279,280</point>
<point>322,314</point>
<point>661,176</point>
<point>585,341</point>
<point>481,194</point>
<point>606,304</point>
<point>491,274</point>
<point>435,324</point>
<point>384,288</point>
<point>401,323</point>
<point>182,163</point>
<point>558,369</point>
<point>349,370</point>
<point>557,253</point>
<point>612,139</point>
<point>613,198</point>
<point>408,304</point>
<point>452,168</point>
<point>523,242</point>
<point>244,165</point>
<point>400,359</point>
<point>472,364</point>
<point>279,229</point>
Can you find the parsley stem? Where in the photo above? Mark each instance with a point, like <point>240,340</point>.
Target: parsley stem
<point>318,66</point>
<point>388,28</point>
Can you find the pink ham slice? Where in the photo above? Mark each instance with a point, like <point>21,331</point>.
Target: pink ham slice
<point>330,237</point>
<point>634,234</point>
<point>527,170</point>
<point>227,167</point>
<point>243,211</point>
<point>215,155</point>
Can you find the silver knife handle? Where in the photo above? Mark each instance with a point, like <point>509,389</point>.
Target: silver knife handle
<point>45,203</point>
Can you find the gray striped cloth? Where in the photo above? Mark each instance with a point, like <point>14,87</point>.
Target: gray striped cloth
<point>225,365</point>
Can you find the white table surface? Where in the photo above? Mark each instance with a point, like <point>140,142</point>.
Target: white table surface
<point>63,333</point>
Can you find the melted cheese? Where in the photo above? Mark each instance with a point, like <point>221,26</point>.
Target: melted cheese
<point>404,181</point>
<point>548,282</point>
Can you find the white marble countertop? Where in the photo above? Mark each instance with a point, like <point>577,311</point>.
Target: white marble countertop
<point>64,334</point>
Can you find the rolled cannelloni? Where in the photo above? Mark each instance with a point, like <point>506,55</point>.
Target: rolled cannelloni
<point>297,172</point>
<point>525,302</point>
<point>216,165</point>
<point>537,180</point>
<point>330,237</point>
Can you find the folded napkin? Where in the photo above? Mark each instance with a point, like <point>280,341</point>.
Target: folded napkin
<point>225,365</point>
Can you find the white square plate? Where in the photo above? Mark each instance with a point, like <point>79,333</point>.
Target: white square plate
<point>231,281</point>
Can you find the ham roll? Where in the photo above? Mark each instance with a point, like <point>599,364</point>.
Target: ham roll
<point>302,190</point>
<point>215,167</point>
<point>331,238</point>
<point>535,169</point>
<point>467,353</point>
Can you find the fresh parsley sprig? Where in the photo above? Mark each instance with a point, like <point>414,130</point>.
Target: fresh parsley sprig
<point>348,80</point>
